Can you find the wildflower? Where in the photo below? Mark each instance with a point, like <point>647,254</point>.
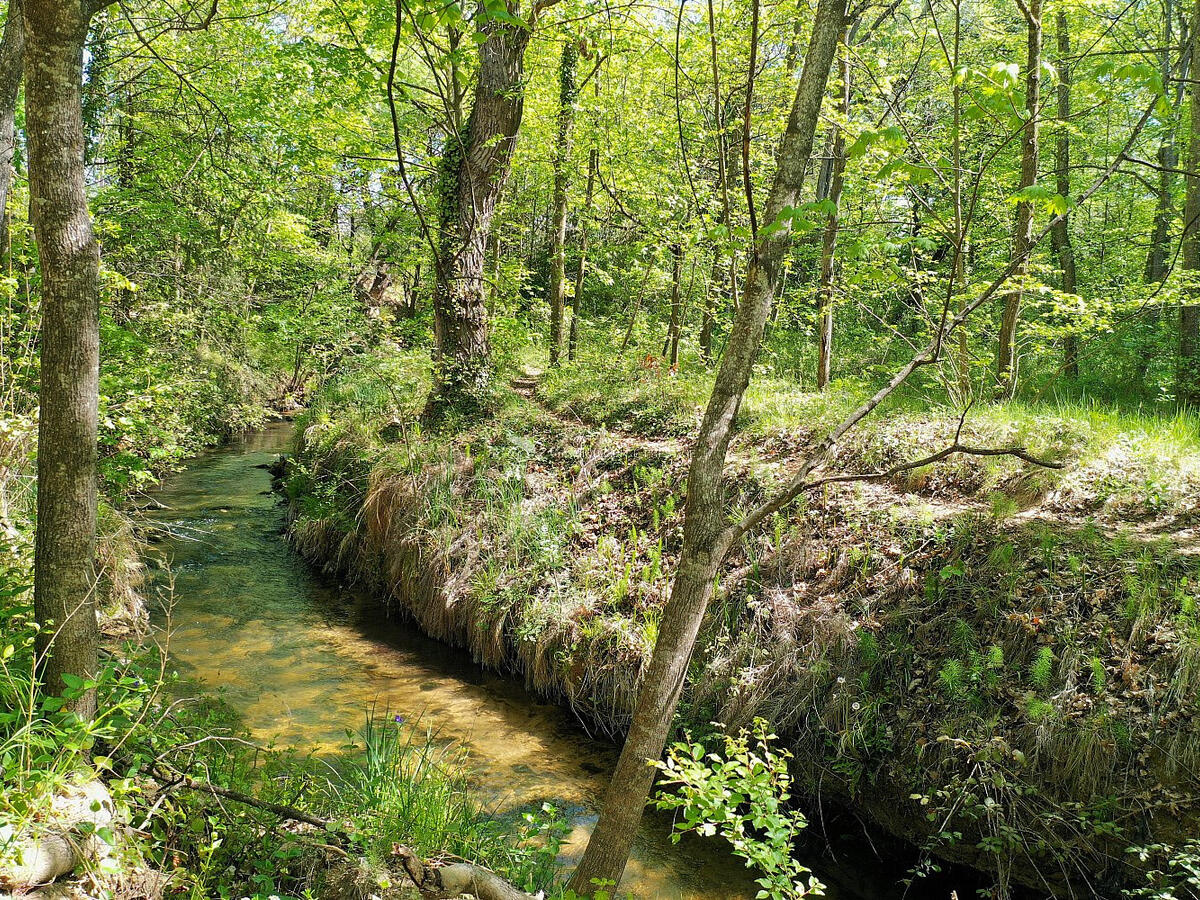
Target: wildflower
<point>399,719</point>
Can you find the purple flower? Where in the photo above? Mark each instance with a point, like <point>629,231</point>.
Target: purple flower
<point>399,720</point>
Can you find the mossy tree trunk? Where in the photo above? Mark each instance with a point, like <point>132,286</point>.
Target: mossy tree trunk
<point>474,168</point>
<point>706,536</point>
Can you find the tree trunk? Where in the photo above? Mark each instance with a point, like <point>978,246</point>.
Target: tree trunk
<point>473,171</point>
<point>1168,159</point>
<point>1060,235</point>
<point>12,51</point>
<point>1006,358</point>
<point>670,349</point>
<point>708,316</point>
<point>65,548</point>
<point>593,168</point>
<point>1188,377</point>
<point>724,216</point>
<point>637,304</point>
<point>958,272</point>
<point>829,241</point>
<point>568,91</point>
<point>705,537</point>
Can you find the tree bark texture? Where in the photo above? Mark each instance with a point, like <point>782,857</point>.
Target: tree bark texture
<point>706,537</point>
<point>474,169</point>
<point>65,544</point>
<point>1006,357</point>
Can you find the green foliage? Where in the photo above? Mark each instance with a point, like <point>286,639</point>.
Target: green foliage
<point>743,795</point>
<point>1041,670</point>
<point>1175,876</point>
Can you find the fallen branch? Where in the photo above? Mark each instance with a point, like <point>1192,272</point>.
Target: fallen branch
<point>456,879</point>
<point>438,881</point>
<point>278,809</point>
<point>955,448</point>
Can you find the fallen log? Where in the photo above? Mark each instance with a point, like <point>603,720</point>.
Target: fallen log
<point>37,855</point>
<point>456,879</point>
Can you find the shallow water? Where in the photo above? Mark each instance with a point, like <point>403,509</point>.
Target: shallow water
<point>302,660</point>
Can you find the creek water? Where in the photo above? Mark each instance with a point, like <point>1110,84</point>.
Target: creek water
<point>302,660</point>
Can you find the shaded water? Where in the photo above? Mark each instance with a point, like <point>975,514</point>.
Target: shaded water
<point>302,660</point>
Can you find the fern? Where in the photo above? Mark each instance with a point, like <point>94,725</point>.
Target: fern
<point>953,677</point>
<point>1042,669</point>
<point>1099,675</point>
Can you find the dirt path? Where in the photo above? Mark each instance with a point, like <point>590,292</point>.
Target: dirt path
<point>526,384</point>
<point>863,497</point>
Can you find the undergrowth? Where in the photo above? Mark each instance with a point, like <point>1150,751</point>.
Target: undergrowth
<point>1005,690</point>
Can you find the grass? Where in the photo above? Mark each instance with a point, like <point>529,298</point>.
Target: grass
<point>1121,463</point>
<point>961,654</point>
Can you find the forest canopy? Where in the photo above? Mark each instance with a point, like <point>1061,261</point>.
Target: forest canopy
<point>816,377</point>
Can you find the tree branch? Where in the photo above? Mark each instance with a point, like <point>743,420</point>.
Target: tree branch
<point>924,357</point>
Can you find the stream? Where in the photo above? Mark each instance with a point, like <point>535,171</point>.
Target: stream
<point>302,660</point>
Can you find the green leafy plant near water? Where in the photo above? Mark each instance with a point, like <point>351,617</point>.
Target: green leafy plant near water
<point>742,795</point>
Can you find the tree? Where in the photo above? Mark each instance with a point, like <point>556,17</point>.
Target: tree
<point>64,561</point>
<point>706,536</point>
<point>568,92</point>
<point>12,52</point>
<point>1006,358</point>
<point>1188,377</point>
<point>1060,237</point>
<point>829,238</point>
<point>1168,157</point>
<point>593,169</point>
<point>473,171</point>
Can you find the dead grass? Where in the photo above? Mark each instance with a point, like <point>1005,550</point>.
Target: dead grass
<point>1029,680</point>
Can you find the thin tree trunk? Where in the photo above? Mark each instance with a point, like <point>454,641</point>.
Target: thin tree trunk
<point>12,51</point>
<point>959,273</point>
<point>829,242</point>
<point>65,545</point>
<point>705,537</point>
<point>568,91</point>
<point>474,169</point>
<point>708,316</point>
<point>1168,159</point>
<point>724,217</point>
<point>1188,390</point>
<point>637,304</point>
<point>671,344</point>
<point>593,168</point>
<point>1006,358</point>
<point>1060,236</point>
